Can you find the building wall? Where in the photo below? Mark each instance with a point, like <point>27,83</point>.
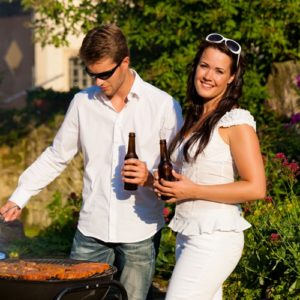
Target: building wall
<point>26,65</point>
<point>16,60</point>
<point>52,69</point>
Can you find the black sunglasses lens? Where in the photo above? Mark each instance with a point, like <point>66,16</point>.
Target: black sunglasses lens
<point>215,38</point>
<point>232,45</point>
<point>104,75</point>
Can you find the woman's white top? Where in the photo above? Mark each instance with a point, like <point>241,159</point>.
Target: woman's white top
<point>214,165</point>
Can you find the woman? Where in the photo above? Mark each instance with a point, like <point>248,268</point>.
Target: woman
<point>216,144</point>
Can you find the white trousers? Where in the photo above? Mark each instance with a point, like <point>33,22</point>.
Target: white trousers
<point>203,262</point>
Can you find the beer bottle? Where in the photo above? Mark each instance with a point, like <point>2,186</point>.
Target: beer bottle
<point>165,166</point>
<point>130,154</point>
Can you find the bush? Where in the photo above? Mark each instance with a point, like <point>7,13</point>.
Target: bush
<point>42,106</point>
<point>270,265</point>
<point>166,256</point>
<point>55,240</point>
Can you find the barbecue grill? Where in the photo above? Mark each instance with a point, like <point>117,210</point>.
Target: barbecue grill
<point>95,287</point>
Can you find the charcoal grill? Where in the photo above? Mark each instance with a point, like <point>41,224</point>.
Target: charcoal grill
<point>95,287</point>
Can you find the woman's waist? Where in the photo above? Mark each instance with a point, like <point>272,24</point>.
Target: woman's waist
<point>196,207</point>
<point>206,219</point>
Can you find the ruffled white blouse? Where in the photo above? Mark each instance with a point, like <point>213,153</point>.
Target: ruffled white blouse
<point>214,165</point>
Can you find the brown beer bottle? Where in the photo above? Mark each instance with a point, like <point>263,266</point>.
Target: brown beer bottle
<point>165,166</point>
<point>130,154</point>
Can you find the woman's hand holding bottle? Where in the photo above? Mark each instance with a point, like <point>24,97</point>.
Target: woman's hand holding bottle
<point>180,189</point>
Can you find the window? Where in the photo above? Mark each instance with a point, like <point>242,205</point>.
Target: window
<point>78,77</point>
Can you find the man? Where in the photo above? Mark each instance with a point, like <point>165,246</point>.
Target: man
<point>115,226</point>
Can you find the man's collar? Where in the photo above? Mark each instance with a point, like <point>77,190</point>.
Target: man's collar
<point>134,93</point>
<point>136,89</point>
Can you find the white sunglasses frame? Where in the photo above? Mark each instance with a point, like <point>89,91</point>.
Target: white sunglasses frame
<point>225,40</point>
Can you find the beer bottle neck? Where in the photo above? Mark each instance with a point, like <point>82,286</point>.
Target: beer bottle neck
<point>131,144</point>
<point>164,156</point>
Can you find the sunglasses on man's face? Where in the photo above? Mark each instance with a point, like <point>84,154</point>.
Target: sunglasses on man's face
<point>103,75</point>
<point>232,45</point>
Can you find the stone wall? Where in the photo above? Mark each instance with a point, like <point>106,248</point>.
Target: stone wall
<point>15,159</point>
<point>283,95</point>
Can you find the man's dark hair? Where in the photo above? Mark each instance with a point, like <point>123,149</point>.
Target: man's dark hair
<point>107,41</point>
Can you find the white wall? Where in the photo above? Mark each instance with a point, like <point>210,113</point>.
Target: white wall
<point>51,64</point>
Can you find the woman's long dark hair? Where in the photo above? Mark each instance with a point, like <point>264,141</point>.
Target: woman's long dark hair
<point>202,131</point>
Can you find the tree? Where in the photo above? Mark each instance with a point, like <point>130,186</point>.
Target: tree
<point>163,34</point>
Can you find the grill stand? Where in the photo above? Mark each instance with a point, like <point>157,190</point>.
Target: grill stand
<point>80,288</point>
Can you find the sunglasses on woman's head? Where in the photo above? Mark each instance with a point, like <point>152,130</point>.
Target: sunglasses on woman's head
<point>103,75</point>
<point>232,45</point>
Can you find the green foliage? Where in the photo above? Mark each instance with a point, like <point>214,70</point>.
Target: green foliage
<point>47,102</point>
<point>12,126</point>
<point>56,239</point>
<point>289,141</point>
<point>166,258</point>
<point>64,215</point>
<point>42,106</point>
<point>163,35</point>
<point>269,268</point>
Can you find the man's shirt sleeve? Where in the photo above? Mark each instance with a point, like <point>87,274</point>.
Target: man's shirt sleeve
<point>52,161</point>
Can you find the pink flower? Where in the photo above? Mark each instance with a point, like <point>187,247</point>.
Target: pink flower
<point>269,199</point>
<point>275,237</point>
<point>294,167</point>
<point>280,155</point>
<point>166,212</point>
<point>285,163</point>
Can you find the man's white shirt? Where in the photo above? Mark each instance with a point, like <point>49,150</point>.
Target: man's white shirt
<point>91,125</point>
